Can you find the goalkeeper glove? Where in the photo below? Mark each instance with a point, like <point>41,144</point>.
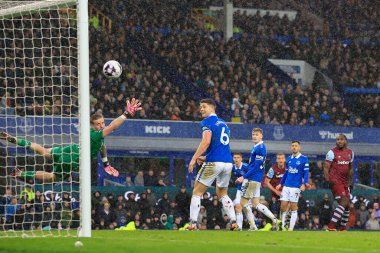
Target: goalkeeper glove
<point>111,170</point>
<point>131,108</point>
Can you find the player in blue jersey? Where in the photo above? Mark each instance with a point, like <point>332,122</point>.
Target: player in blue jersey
<point>251,180</point>
<point>294,181</point>
<point>214,150</point>
<point>239,169</point>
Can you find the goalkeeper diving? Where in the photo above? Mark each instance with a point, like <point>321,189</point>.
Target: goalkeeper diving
<point>66,159</point>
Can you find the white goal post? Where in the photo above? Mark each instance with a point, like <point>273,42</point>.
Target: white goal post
<point>16,115</point>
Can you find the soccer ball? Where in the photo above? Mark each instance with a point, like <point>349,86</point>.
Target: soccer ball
<point>112,69</point>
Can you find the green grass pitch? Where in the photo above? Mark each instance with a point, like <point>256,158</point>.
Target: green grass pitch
<point>200,241</point>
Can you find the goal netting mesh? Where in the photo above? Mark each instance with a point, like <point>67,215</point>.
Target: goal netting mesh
<point>38,104</point>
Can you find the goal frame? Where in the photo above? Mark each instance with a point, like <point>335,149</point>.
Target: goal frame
<point>84,96</point>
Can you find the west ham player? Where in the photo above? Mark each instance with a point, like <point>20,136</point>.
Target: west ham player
<point>239,169</point>
<point>251,180</point>
<point>294,181</point>
<point>338,170</point>
<point>66,159</point>
<point>275,174</point>
<point>215,144</point>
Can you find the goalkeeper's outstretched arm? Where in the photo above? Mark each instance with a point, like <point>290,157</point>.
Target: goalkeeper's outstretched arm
<point>132,106</point>
<point>107,167</point>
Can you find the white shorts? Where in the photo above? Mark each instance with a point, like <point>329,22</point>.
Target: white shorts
<point>251,189</point>
<point>290,194</point>
<point>215,170</point>
<point>238,197</point>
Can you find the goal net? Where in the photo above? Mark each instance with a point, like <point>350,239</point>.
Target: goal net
<point>39,185</point>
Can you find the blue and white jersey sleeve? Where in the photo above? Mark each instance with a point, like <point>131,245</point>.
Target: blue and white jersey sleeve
<point>330,156</point>
<point>306,165</point>
<point>306,171</point>
<point>205,127</point>
<point>256,163</point>
<point>270,173</point>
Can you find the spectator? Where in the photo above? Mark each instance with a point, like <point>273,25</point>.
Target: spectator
<point>150,179</point>
<point>11,209</point>
<point>106,217</point>
<point>139,179</point>
<point>376,209</point>
<point>96,199</point>
<point>131,204</point>
<point>122,221</point>
<point>151,197</point>
<point>202,214</point>
<point>66,215</point>
<point>373,222</point>
<point>363,214</point>
<point>206,202</point>
<point>214,214</point>
<point>27,194</point>
<point>163,204</point>
<point>163,180</point>
<point>173,210</point>
<point>317,174</point>
<point>111,200</point>
<point>120,212</point>
<point>144,204</point>
<point>166,222</point>
<point>325,209</point>
<point>303,205</point>
<point>120,201</point>
<point>183,201</point>
<point>128,181</point>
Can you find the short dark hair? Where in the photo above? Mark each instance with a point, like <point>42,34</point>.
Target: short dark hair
<point>237,153</point>
<point>296,141</point>
<point>95,116</point>
<point>208,101</point>
<point>280,153</point>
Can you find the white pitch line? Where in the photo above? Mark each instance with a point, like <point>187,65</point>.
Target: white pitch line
<point>249,244</point>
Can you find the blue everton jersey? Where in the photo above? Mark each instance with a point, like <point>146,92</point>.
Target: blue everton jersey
<point>219,149</point>
<point>297,168</point>
<point>239,172</point>
<point>256,163</point>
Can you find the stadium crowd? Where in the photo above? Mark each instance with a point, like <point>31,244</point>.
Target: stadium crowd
<point>232,73</point>
<point>148,210</point>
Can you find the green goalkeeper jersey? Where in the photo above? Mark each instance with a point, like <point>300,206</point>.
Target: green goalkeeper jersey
<point>97,141</point>
<point>66,159</point>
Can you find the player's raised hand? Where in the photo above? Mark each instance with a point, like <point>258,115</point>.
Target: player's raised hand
<point>133,106</point>
<point>278,187</point>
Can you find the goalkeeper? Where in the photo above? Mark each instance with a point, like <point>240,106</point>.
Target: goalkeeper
<point>66,158</point>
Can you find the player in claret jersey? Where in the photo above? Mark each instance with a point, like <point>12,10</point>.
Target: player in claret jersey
<point>273,178</point>
<point>275,174</point>
<point>338,170</point>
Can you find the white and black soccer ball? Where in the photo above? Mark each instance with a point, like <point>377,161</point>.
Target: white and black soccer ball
<point>112,69</point>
